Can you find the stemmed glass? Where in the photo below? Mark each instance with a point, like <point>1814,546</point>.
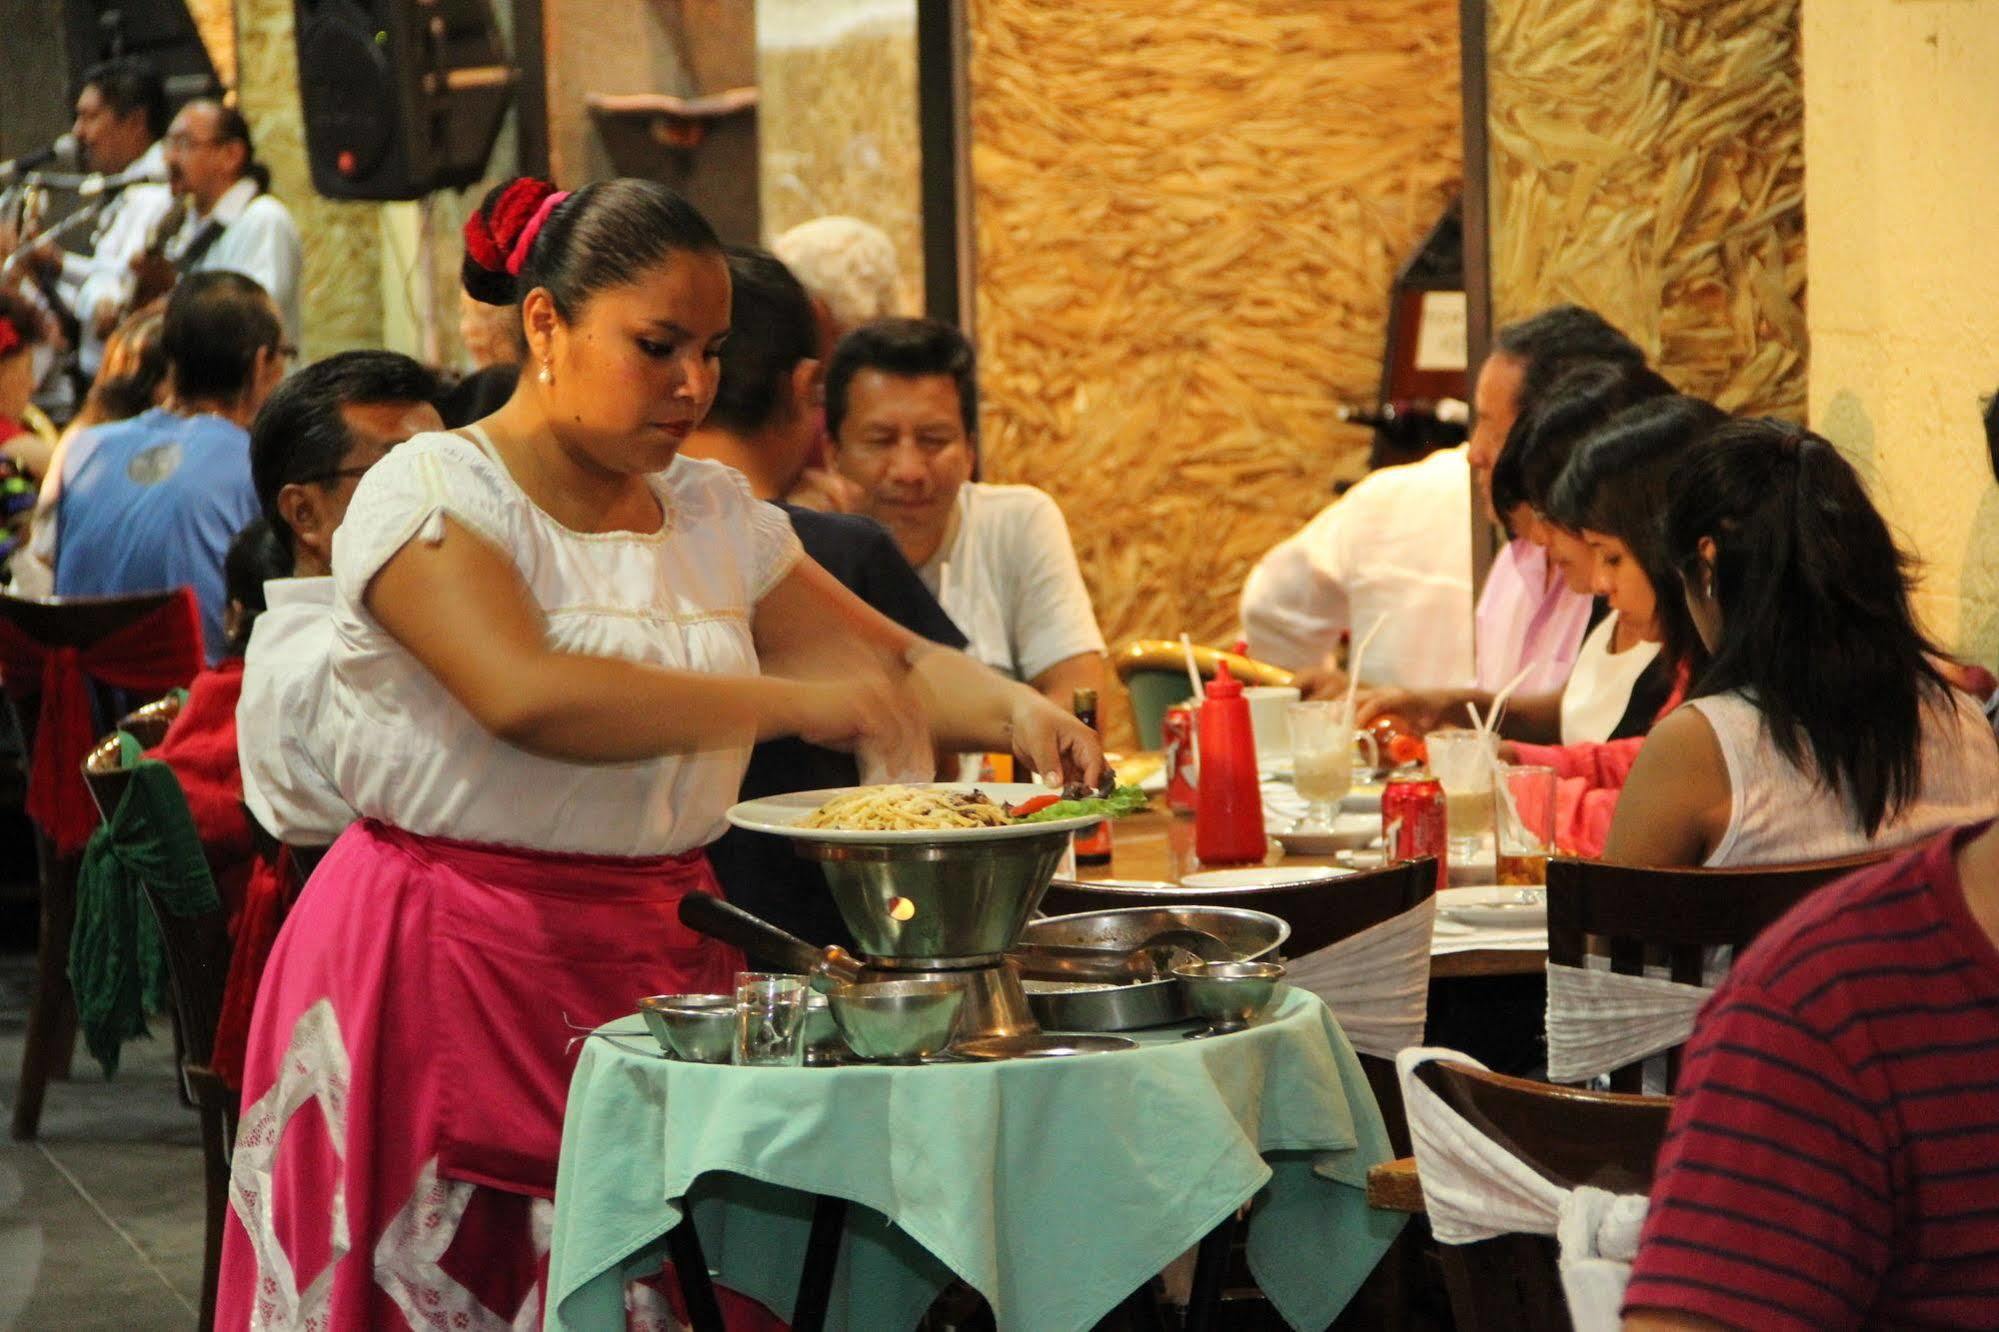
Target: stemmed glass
<point>1322,742</point>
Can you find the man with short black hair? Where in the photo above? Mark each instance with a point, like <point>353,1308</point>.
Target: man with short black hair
<point>902,410</point>
<point>318,435</point>
<point>236,223</point>
<point>1527,618</point>
<point>153,502</point>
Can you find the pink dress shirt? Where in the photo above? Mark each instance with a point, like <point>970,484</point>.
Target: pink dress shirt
<point>1527,618</point>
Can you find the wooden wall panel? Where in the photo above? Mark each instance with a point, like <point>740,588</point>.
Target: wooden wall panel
<point>1648,161</point>
<point>1188,216</point>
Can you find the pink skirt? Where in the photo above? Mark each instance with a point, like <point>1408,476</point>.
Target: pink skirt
<point>407,1068</point>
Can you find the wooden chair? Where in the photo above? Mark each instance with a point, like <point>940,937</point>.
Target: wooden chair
<point>148,723</point>
<point>197,949</point>
<point>1670,918</point>
<point>1510,1283</point>
<point>1154,672</point>
<point>51,1034</point>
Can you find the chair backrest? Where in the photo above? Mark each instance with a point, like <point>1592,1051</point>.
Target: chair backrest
<point>1154,672</point>
<point>197,946</point>
<point>1510,1283</point>
<point>148,723</point>
<point>1671,917</point>
<point>74,622</point>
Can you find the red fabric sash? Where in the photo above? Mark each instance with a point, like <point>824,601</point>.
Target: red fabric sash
<point>153,654</point>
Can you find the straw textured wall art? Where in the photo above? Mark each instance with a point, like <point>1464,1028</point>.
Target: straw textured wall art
<point>1648,161</point>
<point>1188,215</point>
<point>837,125</point>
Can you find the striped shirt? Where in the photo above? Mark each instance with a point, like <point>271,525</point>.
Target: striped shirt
<point>1833,1160</point>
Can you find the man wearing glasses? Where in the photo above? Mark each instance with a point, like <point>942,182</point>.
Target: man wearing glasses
<point>323,428</point>
<point>153,502</point>
<point>233,222</point>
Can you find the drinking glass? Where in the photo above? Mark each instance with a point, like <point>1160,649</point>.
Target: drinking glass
<point>1463,761</point>
<point>1322,764</point>
<point>770,1018</point>
<point>1524,812</point>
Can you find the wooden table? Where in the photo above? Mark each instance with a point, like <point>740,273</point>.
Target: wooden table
<point>1158,846</point>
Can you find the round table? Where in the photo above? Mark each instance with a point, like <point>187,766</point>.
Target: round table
<point>1053,1187</point>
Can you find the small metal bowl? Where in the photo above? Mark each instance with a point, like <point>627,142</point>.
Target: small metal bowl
<point>899,1019</point>
<point>699,1028</point>
<point>1230,995</point>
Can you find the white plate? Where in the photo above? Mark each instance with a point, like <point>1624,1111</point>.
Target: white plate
<point>1362,800</point>
<point>1262,876</point>
<point>1492,905</point>
<point>1350,832</point>
<point>780,814</point>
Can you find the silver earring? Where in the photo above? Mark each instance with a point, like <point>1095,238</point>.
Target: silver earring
<point>547,375</point>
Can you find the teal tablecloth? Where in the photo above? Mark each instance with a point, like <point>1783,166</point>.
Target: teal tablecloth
<point>1054,1187</point>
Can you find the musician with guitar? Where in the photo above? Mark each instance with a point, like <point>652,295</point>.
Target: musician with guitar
<point>233,222</point>
<point>121,111</point>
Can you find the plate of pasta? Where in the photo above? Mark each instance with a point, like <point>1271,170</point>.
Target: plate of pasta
<point>927,812</point>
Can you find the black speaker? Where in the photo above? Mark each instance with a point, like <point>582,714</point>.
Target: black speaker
<point>401,97</point>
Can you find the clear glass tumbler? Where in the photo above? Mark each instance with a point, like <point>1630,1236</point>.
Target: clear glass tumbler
<point>1463,761</point>
<point>770,1018</point>
<point>1524,818</point>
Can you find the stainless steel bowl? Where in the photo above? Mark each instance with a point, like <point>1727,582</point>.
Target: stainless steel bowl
<point>1247,934</point>
<point>952,903</point>
<point>900,1019</point>
<point>699,1028</point>
<point>1230,995</point>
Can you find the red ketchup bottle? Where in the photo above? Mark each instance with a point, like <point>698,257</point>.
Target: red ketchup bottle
<point>1228,810</point>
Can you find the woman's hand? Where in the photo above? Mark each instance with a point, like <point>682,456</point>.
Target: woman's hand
<point>1058,748</point>
<point>1322,681</point>
<point>1423,709</point>
<point>873,716</point>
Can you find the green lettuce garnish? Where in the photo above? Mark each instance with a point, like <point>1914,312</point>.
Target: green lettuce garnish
<point>1124,800</point>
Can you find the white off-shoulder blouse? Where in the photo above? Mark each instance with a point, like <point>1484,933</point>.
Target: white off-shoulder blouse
<point>405,752</point>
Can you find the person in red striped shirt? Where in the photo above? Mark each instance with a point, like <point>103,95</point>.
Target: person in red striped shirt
<point>1833,1159</point>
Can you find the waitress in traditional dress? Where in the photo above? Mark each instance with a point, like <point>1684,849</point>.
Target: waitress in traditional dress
<point>554,645</point>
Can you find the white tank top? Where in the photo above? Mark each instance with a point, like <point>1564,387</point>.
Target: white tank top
<point>1599,688</point>
<point>1779,815</point>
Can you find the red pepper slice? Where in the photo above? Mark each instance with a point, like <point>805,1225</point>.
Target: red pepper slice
<point>1034,806</point>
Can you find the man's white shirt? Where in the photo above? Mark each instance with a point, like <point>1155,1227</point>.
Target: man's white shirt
<point>278,731</point>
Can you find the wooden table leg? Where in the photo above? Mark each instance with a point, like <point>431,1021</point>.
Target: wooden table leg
<point>822,1259</point>
<point>1211,1265</point>
<point>690,1269</point>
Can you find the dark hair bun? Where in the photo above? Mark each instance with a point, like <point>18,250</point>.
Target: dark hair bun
<point>491,234</point>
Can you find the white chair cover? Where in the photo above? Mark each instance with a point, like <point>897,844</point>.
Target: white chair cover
<point>1599,1020</point>
<point>1474,1189</point>
<point>1377,982</point>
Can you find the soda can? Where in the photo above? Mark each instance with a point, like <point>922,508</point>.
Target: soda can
<point>1182,761</point>
<point>1412,822</point>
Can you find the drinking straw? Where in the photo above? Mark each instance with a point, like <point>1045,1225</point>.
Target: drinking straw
<point>1353,662</point>
<point>1193,671</point>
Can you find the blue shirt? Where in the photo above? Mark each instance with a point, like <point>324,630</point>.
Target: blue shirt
<point>153,503</point>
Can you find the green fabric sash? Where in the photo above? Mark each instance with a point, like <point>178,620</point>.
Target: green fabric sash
<point>117,963</point>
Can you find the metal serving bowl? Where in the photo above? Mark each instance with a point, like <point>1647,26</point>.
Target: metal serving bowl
<point>900,1019</point>
<point>1230,995</point>
<point>699,1028</point>
<point>948,902</point>
<point>1246,934</point>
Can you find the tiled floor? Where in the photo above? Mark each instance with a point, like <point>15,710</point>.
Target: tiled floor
<point>100,1219</point>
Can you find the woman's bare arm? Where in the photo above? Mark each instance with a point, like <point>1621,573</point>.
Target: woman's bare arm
<point>486,643</point>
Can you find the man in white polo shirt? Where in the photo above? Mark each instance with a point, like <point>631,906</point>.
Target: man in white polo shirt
<point>902,414</point>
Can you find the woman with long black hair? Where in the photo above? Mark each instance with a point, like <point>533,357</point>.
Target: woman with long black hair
<point>1822,725</point>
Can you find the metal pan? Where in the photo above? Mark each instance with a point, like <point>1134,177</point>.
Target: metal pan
<point>1248,934</point>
